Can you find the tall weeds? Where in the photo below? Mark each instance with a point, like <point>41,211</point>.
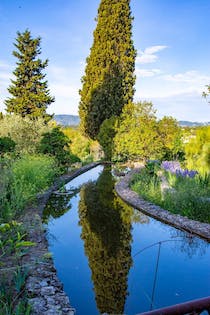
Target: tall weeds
<point>22,180</point>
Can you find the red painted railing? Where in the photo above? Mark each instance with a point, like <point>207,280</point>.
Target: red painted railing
<point>195,307</point>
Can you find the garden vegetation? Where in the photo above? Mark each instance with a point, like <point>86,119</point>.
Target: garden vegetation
<point>34,150</point>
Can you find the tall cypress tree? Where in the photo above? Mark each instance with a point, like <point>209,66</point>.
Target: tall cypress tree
<point>108,83</point>
<point>29,89</point>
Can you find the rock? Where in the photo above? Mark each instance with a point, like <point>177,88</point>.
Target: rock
<point>38,305</point>
<point>50,290</point>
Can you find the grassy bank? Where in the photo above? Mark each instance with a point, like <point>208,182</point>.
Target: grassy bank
<point>181,192</point>
<point>20,181</point>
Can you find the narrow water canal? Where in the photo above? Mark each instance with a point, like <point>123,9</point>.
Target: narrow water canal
<point>113,259</point>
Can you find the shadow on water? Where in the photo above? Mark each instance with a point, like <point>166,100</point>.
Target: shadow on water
<point>106,232</point>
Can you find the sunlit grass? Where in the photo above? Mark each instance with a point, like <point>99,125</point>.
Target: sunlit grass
<point>186,196</point>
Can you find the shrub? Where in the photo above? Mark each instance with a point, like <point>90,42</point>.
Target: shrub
<point>6,145</point>
<point>56,144</point>
<point>80,145</point>
<point>26,177</point>
<point>26,133</point>
<point>197,149</point>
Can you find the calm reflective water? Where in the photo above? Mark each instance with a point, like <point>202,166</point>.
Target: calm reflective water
<point>113,259</point>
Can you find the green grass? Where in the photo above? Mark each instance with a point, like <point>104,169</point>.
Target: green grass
<point>22,180</point>
<point>187,197</point>
<point>13,297</point>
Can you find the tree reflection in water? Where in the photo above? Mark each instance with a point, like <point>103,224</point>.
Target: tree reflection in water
<point>57,205</point>
<point>106,232</point>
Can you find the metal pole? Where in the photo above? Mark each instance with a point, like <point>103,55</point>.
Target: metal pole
<point>155,280</point>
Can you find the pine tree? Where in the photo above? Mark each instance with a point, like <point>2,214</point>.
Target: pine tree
<point>108,83</point>
<point>29,90</point>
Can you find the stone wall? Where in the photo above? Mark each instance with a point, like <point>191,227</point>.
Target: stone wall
<point>183,223</point>
<point>45,291</point>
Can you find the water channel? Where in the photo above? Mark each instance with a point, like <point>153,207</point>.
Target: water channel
<point>113,259</point>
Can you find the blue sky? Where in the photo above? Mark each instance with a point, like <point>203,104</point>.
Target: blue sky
<point>171,37</point>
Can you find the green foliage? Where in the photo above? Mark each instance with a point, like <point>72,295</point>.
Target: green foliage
<point>13,239</point>
<point>56,144</point>
<point>26,133</point>
<point>6,145</point>
<point>80,145</point>
<point>30,94</point>
<point>170,134</point>
<point>13,242</point>
<point>1,115</point>
<point>137,133</point>
<point>197,149</point>
<point>13,296</point>
<point>108,83</point>
<point>147,185</point>
<point>152,167</point>
<point>22,181</point>
<point>186,196</point>
<point>106,137</point>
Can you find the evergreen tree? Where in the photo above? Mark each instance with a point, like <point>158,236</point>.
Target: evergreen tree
<point>108,83</point>
<point>29,90</point>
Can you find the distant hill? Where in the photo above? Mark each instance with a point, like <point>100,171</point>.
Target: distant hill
<point>185,123</point>
<point>67,120</point>
<point>73,120</point>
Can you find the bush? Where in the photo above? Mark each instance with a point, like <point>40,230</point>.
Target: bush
<point>80,145</point>
<point>6,145</point>
<point>56,144</point>
<point>26,133</point>
<point>23,180</point>
<point>197,149</point>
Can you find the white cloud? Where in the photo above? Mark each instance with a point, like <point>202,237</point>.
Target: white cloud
<point>146,58</point>
<point>159,84</point>
<point>191,76</point>
<point>183,106</point>
<point>4,65</point>
<point>64,90</point>
<point>148,55</point>
<point>153,49</point>
<point>5,73</point>
<point>5,76</point>
<point>147,72</point>
<point>64,84</point>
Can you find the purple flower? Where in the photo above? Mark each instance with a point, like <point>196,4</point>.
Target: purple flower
<point>171,166</point>
<point>174,167</point>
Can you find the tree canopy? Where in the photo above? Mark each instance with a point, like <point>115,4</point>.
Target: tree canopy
<point>29,90</point>
<point>108,83</point>
<point>137,136</point>
<point>140,135</point>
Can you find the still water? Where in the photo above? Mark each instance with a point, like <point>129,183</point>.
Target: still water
<point>113,259</point>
